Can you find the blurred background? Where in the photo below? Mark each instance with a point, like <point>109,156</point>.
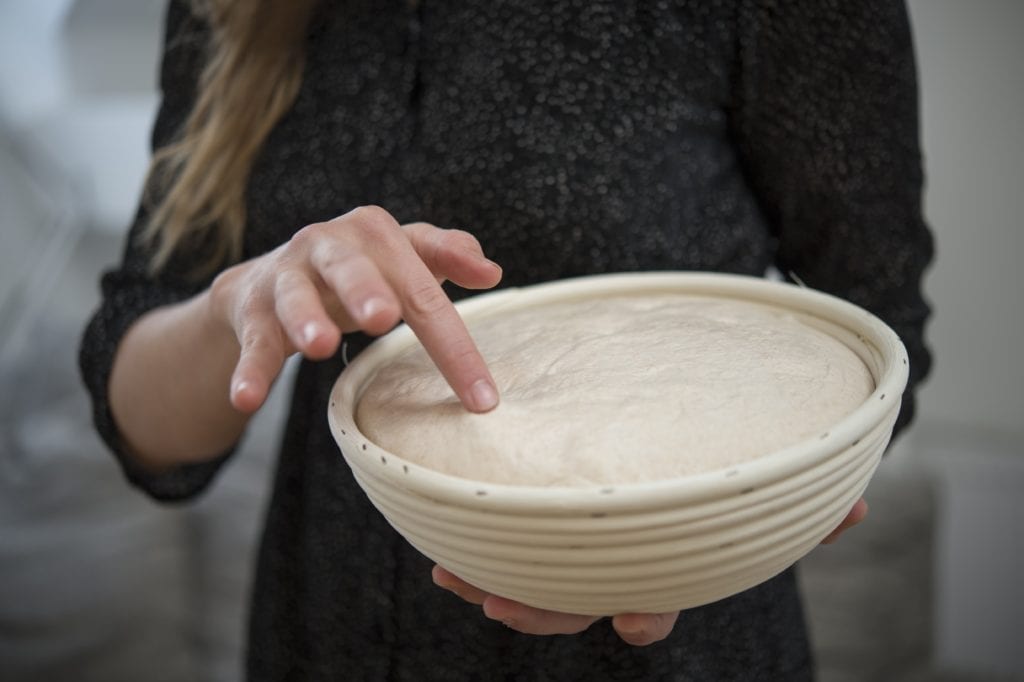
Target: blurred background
<point>97,583</point>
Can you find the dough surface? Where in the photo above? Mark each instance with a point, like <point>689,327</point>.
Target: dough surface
<point>620,390</point>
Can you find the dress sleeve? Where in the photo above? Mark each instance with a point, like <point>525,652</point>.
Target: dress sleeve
<point>129,290</point>
<point>826,121</point>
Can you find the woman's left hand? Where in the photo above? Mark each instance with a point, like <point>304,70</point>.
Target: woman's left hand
<point>638,629</point>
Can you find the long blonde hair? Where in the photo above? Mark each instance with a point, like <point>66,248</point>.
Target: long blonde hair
<point>251,78</point>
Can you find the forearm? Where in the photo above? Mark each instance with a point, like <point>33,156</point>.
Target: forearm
<point>169,388</point>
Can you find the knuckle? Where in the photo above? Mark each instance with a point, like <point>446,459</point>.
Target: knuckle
<point>374,219</point>
<point>349,274</point>
<point>292,291</point>
<point>462,351</point>
<point>304,238</point>
<point>260,346</point>
<point>249,307</point>
<point>254,338</point>
<point>334,256</point>
<point>381,239</point>
<point>339,262</point>
<point>287,282</point>
<point>425,299</point>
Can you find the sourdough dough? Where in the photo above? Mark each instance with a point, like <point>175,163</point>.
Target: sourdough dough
<point>618,390</point>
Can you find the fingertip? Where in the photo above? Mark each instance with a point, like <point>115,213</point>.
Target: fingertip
<point>247,395</point>
<point>475,272</point>
<point>644,629</point>
<point>493,277</point>
<point>441,577</point>
<point>310,332</point>
<point>319,340</point>
<point>627,624</point>
<point>378,315</point>
<point>482,397</point>
<point>486,266</point>
<point>498,608</point>
<point>856,517</point>
<point>497,270</point>
<point>631,631</point>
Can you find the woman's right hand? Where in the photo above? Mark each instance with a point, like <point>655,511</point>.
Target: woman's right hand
<point>360,271</point>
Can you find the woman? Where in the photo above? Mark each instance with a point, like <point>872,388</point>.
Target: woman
<point>565,139</point>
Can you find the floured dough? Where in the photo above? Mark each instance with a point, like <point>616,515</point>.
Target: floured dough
<point>619,390</point>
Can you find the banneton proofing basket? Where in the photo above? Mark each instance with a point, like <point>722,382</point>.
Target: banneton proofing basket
<point>639,547</point>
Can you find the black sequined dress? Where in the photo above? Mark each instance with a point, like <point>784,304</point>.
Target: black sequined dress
<point>571,138</point>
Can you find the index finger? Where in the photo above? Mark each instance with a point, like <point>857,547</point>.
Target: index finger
<point>375,235</point>
<point>427,309</point>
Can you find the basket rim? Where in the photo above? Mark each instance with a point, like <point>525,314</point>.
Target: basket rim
<point>890,369</point>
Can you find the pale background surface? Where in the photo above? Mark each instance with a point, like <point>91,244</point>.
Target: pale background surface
<point>96,583</point>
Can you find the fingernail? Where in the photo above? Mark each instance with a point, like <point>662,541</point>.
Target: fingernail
<point>371,307</point>
<point>507,621</point>
<point>483,395</point>
<point>239,387</point>
<point>632,630</point>
<point>309,332</point>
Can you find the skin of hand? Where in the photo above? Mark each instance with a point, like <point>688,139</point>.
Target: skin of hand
<point>215,356</point>
<point>359,271</point>
<point>638,629</point>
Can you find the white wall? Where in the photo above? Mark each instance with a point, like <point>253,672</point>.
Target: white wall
<point>971,62</point>
<point>970,428</point>
<point>77,89</point>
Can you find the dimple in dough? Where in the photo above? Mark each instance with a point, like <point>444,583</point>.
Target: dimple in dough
<point>620,390</point>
